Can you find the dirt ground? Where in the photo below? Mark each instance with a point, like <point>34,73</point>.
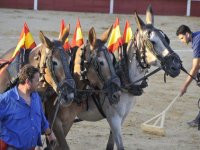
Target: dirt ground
<point>157,96</point>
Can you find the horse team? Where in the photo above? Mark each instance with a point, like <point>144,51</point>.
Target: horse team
<point>88,83</point>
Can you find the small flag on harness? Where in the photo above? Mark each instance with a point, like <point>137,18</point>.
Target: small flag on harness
<point>127,33</point>
<point>26,41</point>
<point>78,35</point>
<point>115,41</point>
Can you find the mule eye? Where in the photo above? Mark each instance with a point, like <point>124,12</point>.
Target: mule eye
<point>55,63</point>
<point>149,34</point>
<point>101,63</point>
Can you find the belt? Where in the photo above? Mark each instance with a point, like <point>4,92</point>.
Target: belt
<point>5,146</point>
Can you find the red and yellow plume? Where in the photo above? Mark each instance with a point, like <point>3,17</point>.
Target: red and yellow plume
<point>78,35</point>
<point>115,38</point>
<point>26,41</point>
<point>127,33</point>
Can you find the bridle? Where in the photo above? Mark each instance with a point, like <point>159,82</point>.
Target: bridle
<point>48,63</point>
<point>142,48</point>
<point>92,61</point>
<point>140,55</point>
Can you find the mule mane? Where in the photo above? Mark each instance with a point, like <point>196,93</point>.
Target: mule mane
<point>72,54</point>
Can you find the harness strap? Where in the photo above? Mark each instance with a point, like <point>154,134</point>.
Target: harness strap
<point>113,74</point>
<point>145,77</point>
<point>140,55</point>
<point>14,67</point>
<point>184,70</point>
<point>3,63</point>
<point>56,110</point>
<point>68,78</point>
<point>98,104</point>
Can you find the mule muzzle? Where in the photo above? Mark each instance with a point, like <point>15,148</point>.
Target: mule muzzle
<point>66,91</point>
<point>116,96</point>
<point>113,89</point>
<point>172,65</point>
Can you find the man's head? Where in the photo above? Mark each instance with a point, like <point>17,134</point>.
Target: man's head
<point>29,76</point>
<point>184,34</point>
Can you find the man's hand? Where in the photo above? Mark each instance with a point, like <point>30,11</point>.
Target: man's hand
<point>183,90</point>
<point>51,137</point>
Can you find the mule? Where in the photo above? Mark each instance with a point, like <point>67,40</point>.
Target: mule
<point>94,65</point>
<point>149,47</point>
<point>50,58</point>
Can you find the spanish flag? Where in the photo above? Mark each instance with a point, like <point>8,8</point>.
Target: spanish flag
<point>127,33</point>
<point>26,41</point>
<point>78,35</point>
<point>66,45</point>
<point>115,38</point>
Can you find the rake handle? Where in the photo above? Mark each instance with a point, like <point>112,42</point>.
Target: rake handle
<point>163,112</point>
<point>168,107</point>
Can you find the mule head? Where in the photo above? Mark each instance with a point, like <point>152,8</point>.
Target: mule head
<point>98,65</point>
<point>54,67</point>
<point>154,46</point>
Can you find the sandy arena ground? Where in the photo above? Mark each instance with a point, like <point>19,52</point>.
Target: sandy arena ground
<point>157,96</point>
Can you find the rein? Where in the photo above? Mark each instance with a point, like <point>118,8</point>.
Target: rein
<point>184,70</point>
<point>146,76</point>
<point>92,91</point>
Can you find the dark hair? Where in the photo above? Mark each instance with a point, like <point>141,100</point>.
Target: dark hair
<point>27,72</point>
<point>183,29</point>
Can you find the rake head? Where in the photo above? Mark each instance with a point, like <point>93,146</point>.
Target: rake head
<point>155,125</point>
<point>151,129</point>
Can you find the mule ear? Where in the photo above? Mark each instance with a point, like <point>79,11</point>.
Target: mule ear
<point>140,24</point>
<point>149,15</point>
<point>106,34</point>
<point>65,34</point>
<point>92,38</point>
<point>45,40</point>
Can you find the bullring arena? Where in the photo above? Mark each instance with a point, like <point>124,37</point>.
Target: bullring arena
<point>156,97</point>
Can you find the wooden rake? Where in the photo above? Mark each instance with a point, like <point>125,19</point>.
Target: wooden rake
<point>155,125</point>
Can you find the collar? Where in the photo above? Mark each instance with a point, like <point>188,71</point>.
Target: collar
<point>16,92</point>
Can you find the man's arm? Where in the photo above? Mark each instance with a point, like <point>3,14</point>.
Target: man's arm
<point>193,72</point>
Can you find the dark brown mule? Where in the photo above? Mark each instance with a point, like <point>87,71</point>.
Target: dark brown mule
<point>94,64</point>
<point>51,60</point>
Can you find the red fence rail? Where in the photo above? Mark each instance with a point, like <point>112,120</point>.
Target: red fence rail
<point>161,7</point>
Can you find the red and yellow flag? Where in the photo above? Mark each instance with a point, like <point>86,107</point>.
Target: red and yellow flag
<point>127,33</point>
<point>115,38</point>
<point>66,45</point>
<point>78,35</point>
<point>26,41</point>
